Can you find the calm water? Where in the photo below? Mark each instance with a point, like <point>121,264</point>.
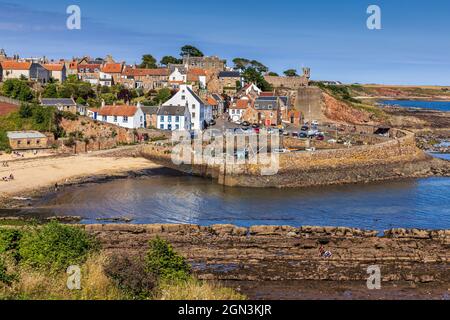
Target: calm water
<point>169,198</point>
<point>434,105</point>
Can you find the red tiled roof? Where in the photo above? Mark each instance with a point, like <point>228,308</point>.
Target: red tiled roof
<point>267,94</point>
<point>122,110</point>
<point>112,68</point>
<point>241,104</point>
<point>145,72</point>
<point>195,73</point>
<point>212,102</point>
<point>89,66</point>
<point>54,66</point>
<point>15,65</point>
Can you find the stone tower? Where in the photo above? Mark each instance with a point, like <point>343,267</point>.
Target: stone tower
<point>307,73</point>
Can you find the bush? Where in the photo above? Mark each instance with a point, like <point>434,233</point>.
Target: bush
<point>4,276</point>
<point>165,263</point>
<point>9,242</point>
<point>55,247</point>
<point>130,276</point>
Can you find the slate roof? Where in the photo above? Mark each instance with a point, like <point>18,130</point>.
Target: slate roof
<point>58,102</point>
<point>25,135</point>
<point>229,74</point>
<point>171,111</point>
<point>196,97</point>
<point>265,104</point>
<point>150,110</point>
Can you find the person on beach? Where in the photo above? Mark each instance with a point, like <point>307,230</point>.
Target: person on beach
<point>11,177</point>
<point>56,187</point>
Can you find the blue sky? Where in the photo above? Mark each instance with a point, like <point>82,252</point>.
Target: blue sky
<point>329,36</point>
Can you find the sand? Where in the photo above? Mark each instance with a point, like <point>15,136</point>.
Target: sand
<point>34,174</point>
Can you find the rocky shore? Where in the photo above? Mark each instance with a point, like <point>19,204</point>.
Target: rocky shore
<point>265,256</point>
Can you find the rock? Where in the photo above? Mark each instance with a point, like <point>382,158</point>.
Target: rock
<point>426,279</point>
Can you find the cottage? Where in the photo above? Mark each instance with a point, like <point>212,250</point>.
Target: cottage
<point>27,140</point>
<point>151,116</point>
<point>174,118</point>
<point>62,104</point>
<point>110,74</point>
<point>57,71</point>
<point>250,90</point>
<point>90,72</point>
<point>231,81</point>
<point>266,111</point>
<point>147,79</point>
<point>12,69</point>
<point>177,78</point>
<point>125,116</point>
<point>238,107</point>
<point>201,113</point>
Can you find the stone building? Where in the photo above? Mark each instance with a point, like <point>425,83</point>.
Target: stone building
<point>61,104</point>
<point>213,63</point>
<point>27,140</point>
<point>230,81</point>
<point>290,82</point>
<point>266,111</point>
<point>151,116</point>
<point>147,79</point>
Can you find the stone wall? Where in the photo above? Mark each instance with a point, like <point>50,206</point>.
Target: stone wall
<point>392,159</point>
<point>259,253</point>
<point>287,82</point>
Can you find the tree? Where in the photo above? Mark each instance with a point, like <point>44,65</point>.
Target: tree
<point>25,111</point>
<point>17,89</point>
<point>241,63</point>
<point>273,74</point>
<point>291,73</point>
<point>191,51</point>
<point>125,95</point>
<point>50,91</point>
<point>148,62</point>
<point>252,75</point>
<point>259,66</point>
<point>166,60</point>
<point>163,96</point>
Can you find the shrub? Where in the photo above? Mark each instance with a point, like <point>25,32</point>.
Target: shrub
<point>4,276</point>
<point>55,247</point>
<point>9,242</point>
<point>130,276</point>
<point>165,263</point>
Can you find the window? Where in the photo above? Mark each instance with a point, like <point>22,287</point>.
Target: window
<point>115,118</point>
<point>161,127</point>
<point>38,141</point>
<point>183,97</point>
<point>105,118</point>
<point>125,119</point>
<point>28,142</point>
<point>177,127</point>
<point>177,119</point>
<point>161,118</point>
<point>169,127</point>
<point>193,115</point>
<point>170,119</point>
<point>19,142</point>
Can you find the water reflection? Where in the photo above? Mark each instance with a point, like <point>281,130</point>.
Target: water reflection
<point>169,198</point>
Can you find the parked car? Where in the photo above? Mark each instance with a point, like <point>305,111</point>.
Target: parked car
<point>254,126</point>
<point>278,151</point>
<point>256,130</point>
<point>320,137</point>
<point>303,135</point>
<point>305,128</point>
<point>246,124</point>
<point>295,134</point>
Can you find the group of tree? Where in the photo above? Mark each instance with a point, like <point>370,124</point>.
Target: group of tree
<point>150,62</point>
<point>253,71</point>
<point>17,89</point>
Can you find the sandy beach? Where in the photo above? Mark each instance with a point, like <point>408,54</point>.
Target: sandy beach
<point>31,175</point>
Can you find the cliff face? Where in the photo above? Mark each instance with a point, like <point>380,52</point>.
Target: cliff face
<point>339,111</point>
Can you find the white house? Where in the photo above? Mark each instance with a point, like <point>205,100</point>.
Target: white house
<point>201,113</point>
<point>238,107</point>
<point>16,69</point>
<point>105,79</point>
<point>131,117</point>
<point>177,78</point>
<point>174,118</point>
